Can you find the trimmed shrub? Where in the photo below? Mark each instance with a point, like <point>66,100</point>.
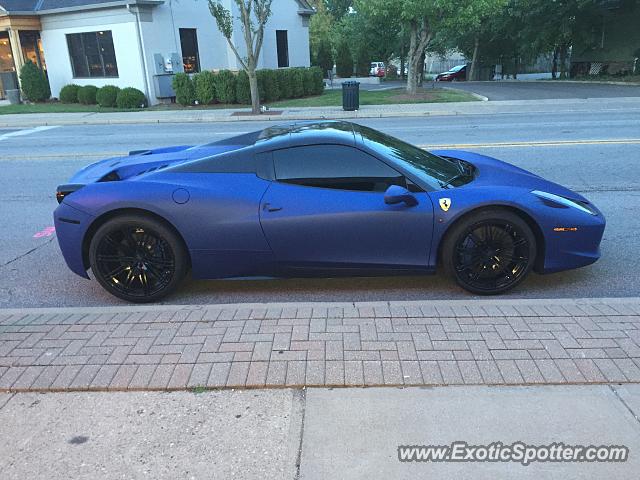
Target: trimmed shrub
<point>87,94</point>
<point>184,88</point>
<point>131,98</point>
<point>324,58</point>
<point>316,81</point>
<point>226,86</point>
<point>205,88</point>
<point>35,85</point>
<point>106,96</point>
<point>307,77</point>
<point>285,86</point>
<point>297,82</point>
<point>243,90</point>
<point>271,86</point>
<point>261,75</point>
<point>363,61</point>
<point>344,61</point>
<point>69,93</point>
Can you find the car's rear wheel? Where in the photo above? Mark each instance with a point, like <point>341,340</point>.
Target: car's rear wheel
<point>137,258</point>
<point>489,252</point>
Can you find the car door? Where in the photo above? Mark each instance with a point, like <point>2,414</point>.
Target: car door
<point>326,208</point>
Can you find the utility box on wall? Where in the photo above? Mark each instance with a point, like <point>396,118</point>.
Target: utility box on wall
<point>165,67</point>
<point>163,85</point>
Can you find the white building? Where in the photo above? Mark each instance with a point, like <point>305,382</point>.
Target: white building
<point>139,43</point>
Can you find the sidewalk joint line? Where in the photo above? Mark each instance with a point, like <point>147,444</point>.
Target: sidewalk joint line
<point>619,397</point>
<point>303,399</point>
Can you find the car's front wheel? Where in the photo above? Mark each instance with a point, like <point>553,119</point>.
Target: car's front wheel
<point>137,258</point>
<point>489,252</point>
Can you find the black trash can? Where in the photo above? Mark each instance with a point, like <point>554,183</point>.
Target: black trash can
<point>350,96</point>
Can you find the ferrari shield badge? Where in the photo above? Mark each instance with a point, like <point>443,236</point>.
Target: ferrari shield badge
<point>445,203</point>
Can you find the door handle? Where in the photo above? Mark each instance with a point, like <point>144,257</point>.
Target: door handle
<point>267,207</point>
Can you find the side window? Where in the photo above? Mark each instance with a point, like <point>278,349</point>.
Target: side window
<point>334,166</point>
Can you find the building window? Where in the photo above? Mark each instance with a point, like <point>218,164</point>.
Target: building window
<point>92,54</point>
<point>6,57</point>
<point>189,45</point>
<point>32,47</point>
<point>282,44</point>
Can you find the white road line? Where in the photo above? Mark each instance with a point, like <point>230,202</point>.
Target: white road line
<point>28,131</point>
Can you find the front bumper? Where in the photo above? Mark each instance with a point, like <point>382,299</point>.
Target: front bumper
<point>71,227</point>
<point>568,249</point>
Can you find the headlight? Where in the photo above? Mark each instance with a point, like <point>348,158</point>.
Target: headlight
<point>560,201</point>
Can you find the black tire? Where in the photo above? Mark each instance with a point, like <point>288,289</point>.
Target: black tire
<point>489,252</point>
<point>138,258</point>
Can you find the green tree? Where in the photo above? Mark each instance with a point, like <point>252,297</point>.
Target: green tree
<point>344,60</point>
<point>254,15</point>
<point>338,8</point>
<point>324,58</point>
<point>383,34</point>
<point>320,34</point>
<point>471,23</point>
<point>421,20</point>
<point>554,25</point>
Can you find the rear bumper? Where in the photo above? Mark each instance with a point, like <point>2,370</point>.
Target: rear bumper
<point>71,226</point>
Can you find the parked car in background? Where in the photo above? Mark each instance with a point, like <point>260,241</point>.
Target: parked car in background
<point>457,73</point>
<point>377,69</point>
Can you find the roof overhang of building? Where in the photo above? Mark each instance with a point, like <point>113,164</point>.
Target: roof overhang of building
<point>27,21</point>
<point>80,8</point>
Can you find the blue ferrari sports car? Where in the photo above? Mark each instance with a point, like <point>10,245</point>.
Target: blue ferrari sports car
<point>317,199</point>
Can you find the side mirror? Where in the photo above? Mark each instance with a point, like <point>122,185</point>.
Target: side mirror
<point>396,194</point>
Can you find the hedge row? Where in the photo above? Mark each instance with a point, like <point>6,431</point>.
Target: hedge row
<point>207,87</point>
<point>107,96</point>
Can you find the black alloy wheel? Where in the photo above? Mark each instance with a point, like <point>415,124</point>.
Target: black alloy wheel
<point>137,258</point>
<point>490,252</point>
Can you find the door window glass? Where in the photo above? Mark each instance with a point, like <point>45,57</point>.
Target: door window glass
<point>334,166</point>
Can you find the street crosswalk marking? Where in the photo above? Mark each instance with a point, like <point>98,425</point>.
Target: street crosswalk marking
<point>28,131</point>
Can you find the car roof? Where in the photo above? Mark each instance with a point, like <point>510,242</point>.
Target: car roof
<point>306,133</point>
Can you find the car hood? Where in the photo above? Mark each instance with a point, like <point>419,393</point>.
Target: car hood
<point>493,172</point>
<point>139,162</point>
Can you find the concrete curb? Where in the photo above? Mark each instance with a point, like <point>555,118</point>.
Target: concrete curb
<point>635,301</point>
<point>482,98</point>
<point>321,113</point>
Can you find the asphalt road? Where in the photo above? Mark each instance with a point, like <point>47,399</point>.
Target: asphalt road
<point>595,153</point>
<point>540,90</point>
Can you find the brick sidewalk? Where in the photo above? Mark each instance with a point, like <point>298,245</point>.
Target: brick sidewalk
<point>410,343</point>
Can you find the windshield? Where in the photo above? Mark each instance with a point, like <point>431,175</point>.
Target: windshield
<point>438,172</point>
<point>457,69</point>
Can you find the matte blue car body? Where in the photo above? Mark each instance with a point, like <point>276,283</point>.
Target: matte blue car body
<point>241,225</point>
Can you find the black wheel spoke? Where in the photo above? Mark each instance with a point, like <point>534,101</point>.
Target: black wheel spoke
<point>117,271</point>
<point>160,262</point>
<point>115,258</point>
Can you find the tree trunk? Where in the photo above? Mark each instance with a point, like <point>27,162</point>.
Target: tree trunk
<point>421,68</point>
<point>554,65</point>
<point>474,59</point>
<point>563,61</point>
<point>516,66</point>
<point>255,94</point>
<point>420,37</point>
